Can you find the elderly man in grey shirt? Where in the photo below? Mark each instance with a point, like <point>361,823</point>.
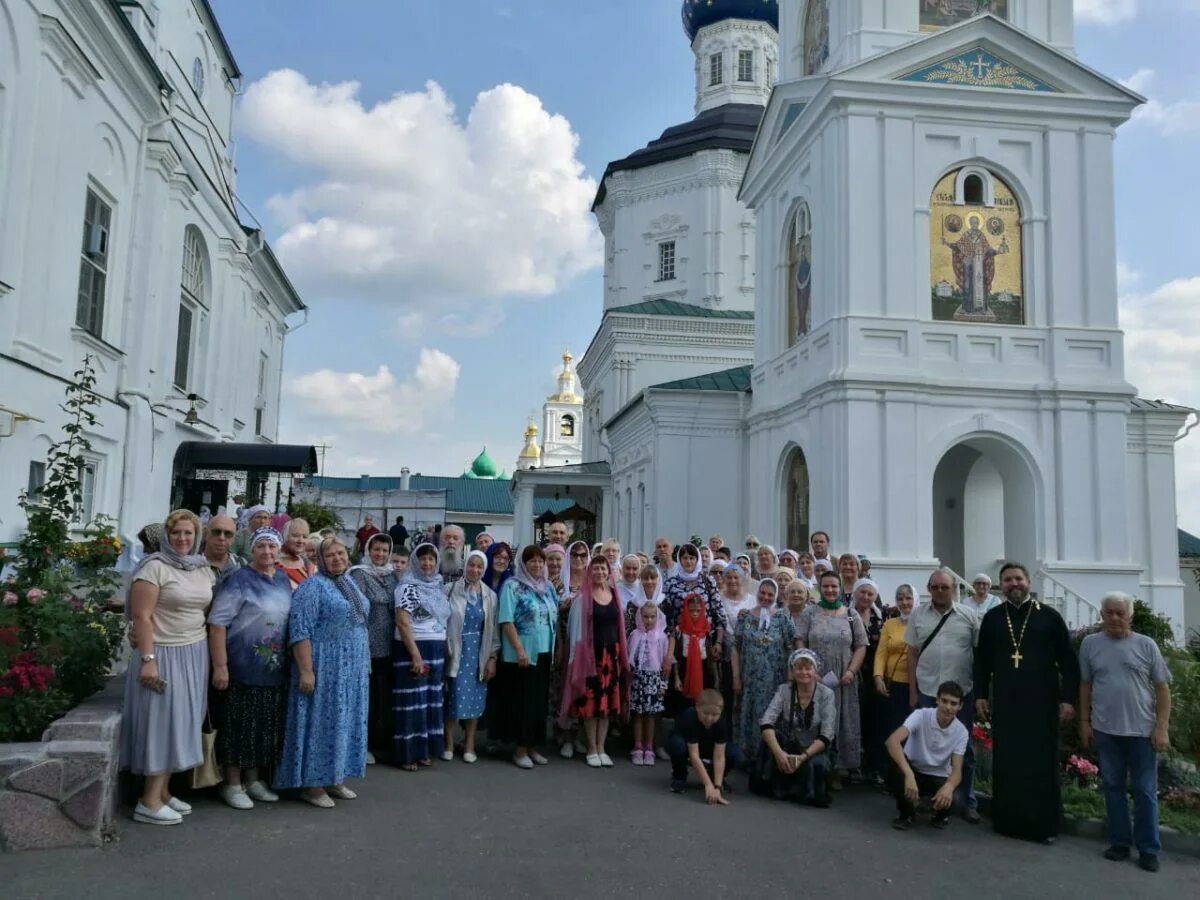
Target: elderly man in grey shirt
<point>1125,709</point>
<point>941,638</point>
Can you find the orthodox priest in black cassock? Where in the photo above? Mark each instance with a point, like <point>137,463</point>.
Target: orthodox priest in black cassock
<point>1025,663</point>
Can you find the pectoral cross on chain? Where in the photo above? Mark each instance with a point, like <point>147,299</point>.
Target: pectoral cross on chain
<point>1016,658</point>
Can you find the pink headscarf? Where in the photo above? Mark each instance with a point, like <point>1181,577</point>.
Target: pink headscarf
<point>653,641</point>
<point>581,663</point>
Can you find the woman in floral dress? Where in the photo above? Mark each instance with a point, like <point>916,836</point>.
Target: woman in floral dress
<point>762,639</point>
<point>247,637</point>
<point>837,634</point>
<point>325,741</point>
<point>597,672</point>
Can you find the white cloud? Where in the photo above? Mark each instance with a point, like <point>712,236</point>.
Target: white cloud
<point>378,403</point>
<point>1105,12</point>
<point>1174,118</point>
<point>410,206</point>
<point>421,324</point>
<point>1162,359</point>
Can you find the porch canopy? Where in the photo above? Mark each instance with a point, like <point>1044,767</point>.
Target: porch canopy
<point>589,485</point>
<point>249,458</point>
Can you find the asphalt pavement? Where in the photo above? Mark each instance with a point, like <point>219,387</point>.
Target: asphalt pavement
<point>569,831</point>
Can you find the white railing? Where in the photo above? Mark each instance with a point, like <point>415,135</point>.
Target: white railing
<point>1076,610</point>
<point>963,588</point>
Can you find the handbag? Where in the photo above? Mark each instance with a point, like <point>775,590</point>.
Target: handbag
<point>208,772</point>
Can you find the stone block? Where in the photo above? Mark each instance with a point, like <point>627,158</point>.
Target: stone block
<point>86,806</point>
<point>75,730</point>
<point>79,770</point>
<point>45,779</point>
<point>29,822</point>
<point>15,762</point>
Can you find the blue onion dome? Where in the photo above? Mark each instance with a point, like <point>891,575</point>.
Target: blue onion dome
<point>698,13</point>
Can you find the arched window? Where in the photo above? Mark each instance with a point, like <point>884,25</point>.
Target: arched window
<point>973,190</point>
<point>193,297</point>
<point>566,428</point>
<point>975,242</point>
<point>798,292</point>
<point>796,506</point>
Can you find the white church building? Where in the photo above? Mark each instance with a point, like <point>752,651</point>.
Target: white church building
<point>871,288</point>
<point>123,239</point>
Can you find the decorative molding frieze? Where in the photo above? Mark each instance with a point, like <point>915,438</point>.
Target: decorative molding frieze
<point>67,57</point>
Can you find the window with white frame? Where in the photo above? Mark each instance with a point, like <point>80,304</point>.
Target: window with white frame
<point>715,66</point>
<point>260,403</point>
<point>93,265</point>
<point>87,509</point>
<point>191,299</point>
<point>36,481</point>
<point>666,261</point>
<point>770,80</point>
<point>745,65</point>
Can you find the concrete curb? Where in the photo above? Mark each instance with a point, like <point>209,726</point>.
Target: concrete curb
<point>1173,841</point>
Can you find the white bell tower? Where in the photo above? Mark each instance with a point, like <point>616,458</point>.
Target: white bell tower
<point>562,420</point>
<point>937,332</point>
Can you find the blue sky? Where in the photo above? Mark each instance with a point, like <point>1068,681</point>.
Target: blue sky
<point>470,330</point>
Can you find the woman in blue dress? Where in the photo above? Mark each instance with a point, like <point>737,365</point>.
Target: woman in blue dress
<point>762,640</point>
<point>472,647</point>
<point>325,741</point>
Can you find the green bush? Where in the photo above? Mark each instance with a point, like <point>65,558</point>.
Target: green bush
<point>316,515</point>
<point>57,637</point>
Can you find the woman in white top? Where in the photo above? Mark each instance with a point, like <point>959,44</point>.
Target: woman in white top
<point>167,687</point>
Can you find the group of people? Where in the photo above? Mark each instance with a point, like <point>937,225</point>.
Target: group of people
<point>786,665</point>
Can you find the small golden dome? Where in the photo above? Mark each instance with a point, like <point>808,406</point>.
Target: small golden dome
<point>531,449</point>
<point>566,383</point>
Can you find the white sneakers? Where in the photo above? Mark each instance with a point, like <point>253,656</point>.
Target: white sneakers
<point>164,815</point>
<point>184,809</point>
<point>235,796</point>
<point>593,760</point>
<point>469,757</point>
<point>523,762</point>
<point>260,792</point>
<point>447,756</point>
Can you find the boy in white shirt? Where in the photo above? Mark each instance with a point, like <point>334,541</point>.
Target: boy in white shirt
<point>927,758</point>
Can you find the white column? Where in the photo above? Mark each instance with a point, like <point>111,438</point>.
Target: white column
<point>523,515</point>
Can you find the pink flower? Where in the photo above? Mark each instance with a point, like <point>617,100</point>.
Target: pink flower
<point>10,599</point>
<point>33,595</point>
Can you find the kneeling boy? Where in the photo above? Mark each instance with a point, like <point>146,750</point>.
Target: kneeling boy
<point>927,758</point>
<point>702,735</point>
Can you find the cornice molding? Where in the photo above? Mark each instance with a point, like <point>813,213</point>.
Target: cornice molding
<point>67,57</point>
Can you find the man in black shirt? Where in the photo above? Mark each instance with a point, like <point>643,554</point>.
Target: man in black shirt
<point>398,533</point>
<point>701,737</point>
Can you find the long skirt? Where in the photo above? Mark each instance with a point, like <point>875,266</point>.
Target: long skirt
<point>379,710</point>
<point>249,722</point>
<point>417,703</point>
<point>522,701</point>
<point>160,733</point>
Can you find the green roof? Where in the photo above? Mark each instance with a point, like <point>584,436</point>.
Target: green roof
<point>487,496</point>
<point>736,379</point>
<point>675,308</point>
